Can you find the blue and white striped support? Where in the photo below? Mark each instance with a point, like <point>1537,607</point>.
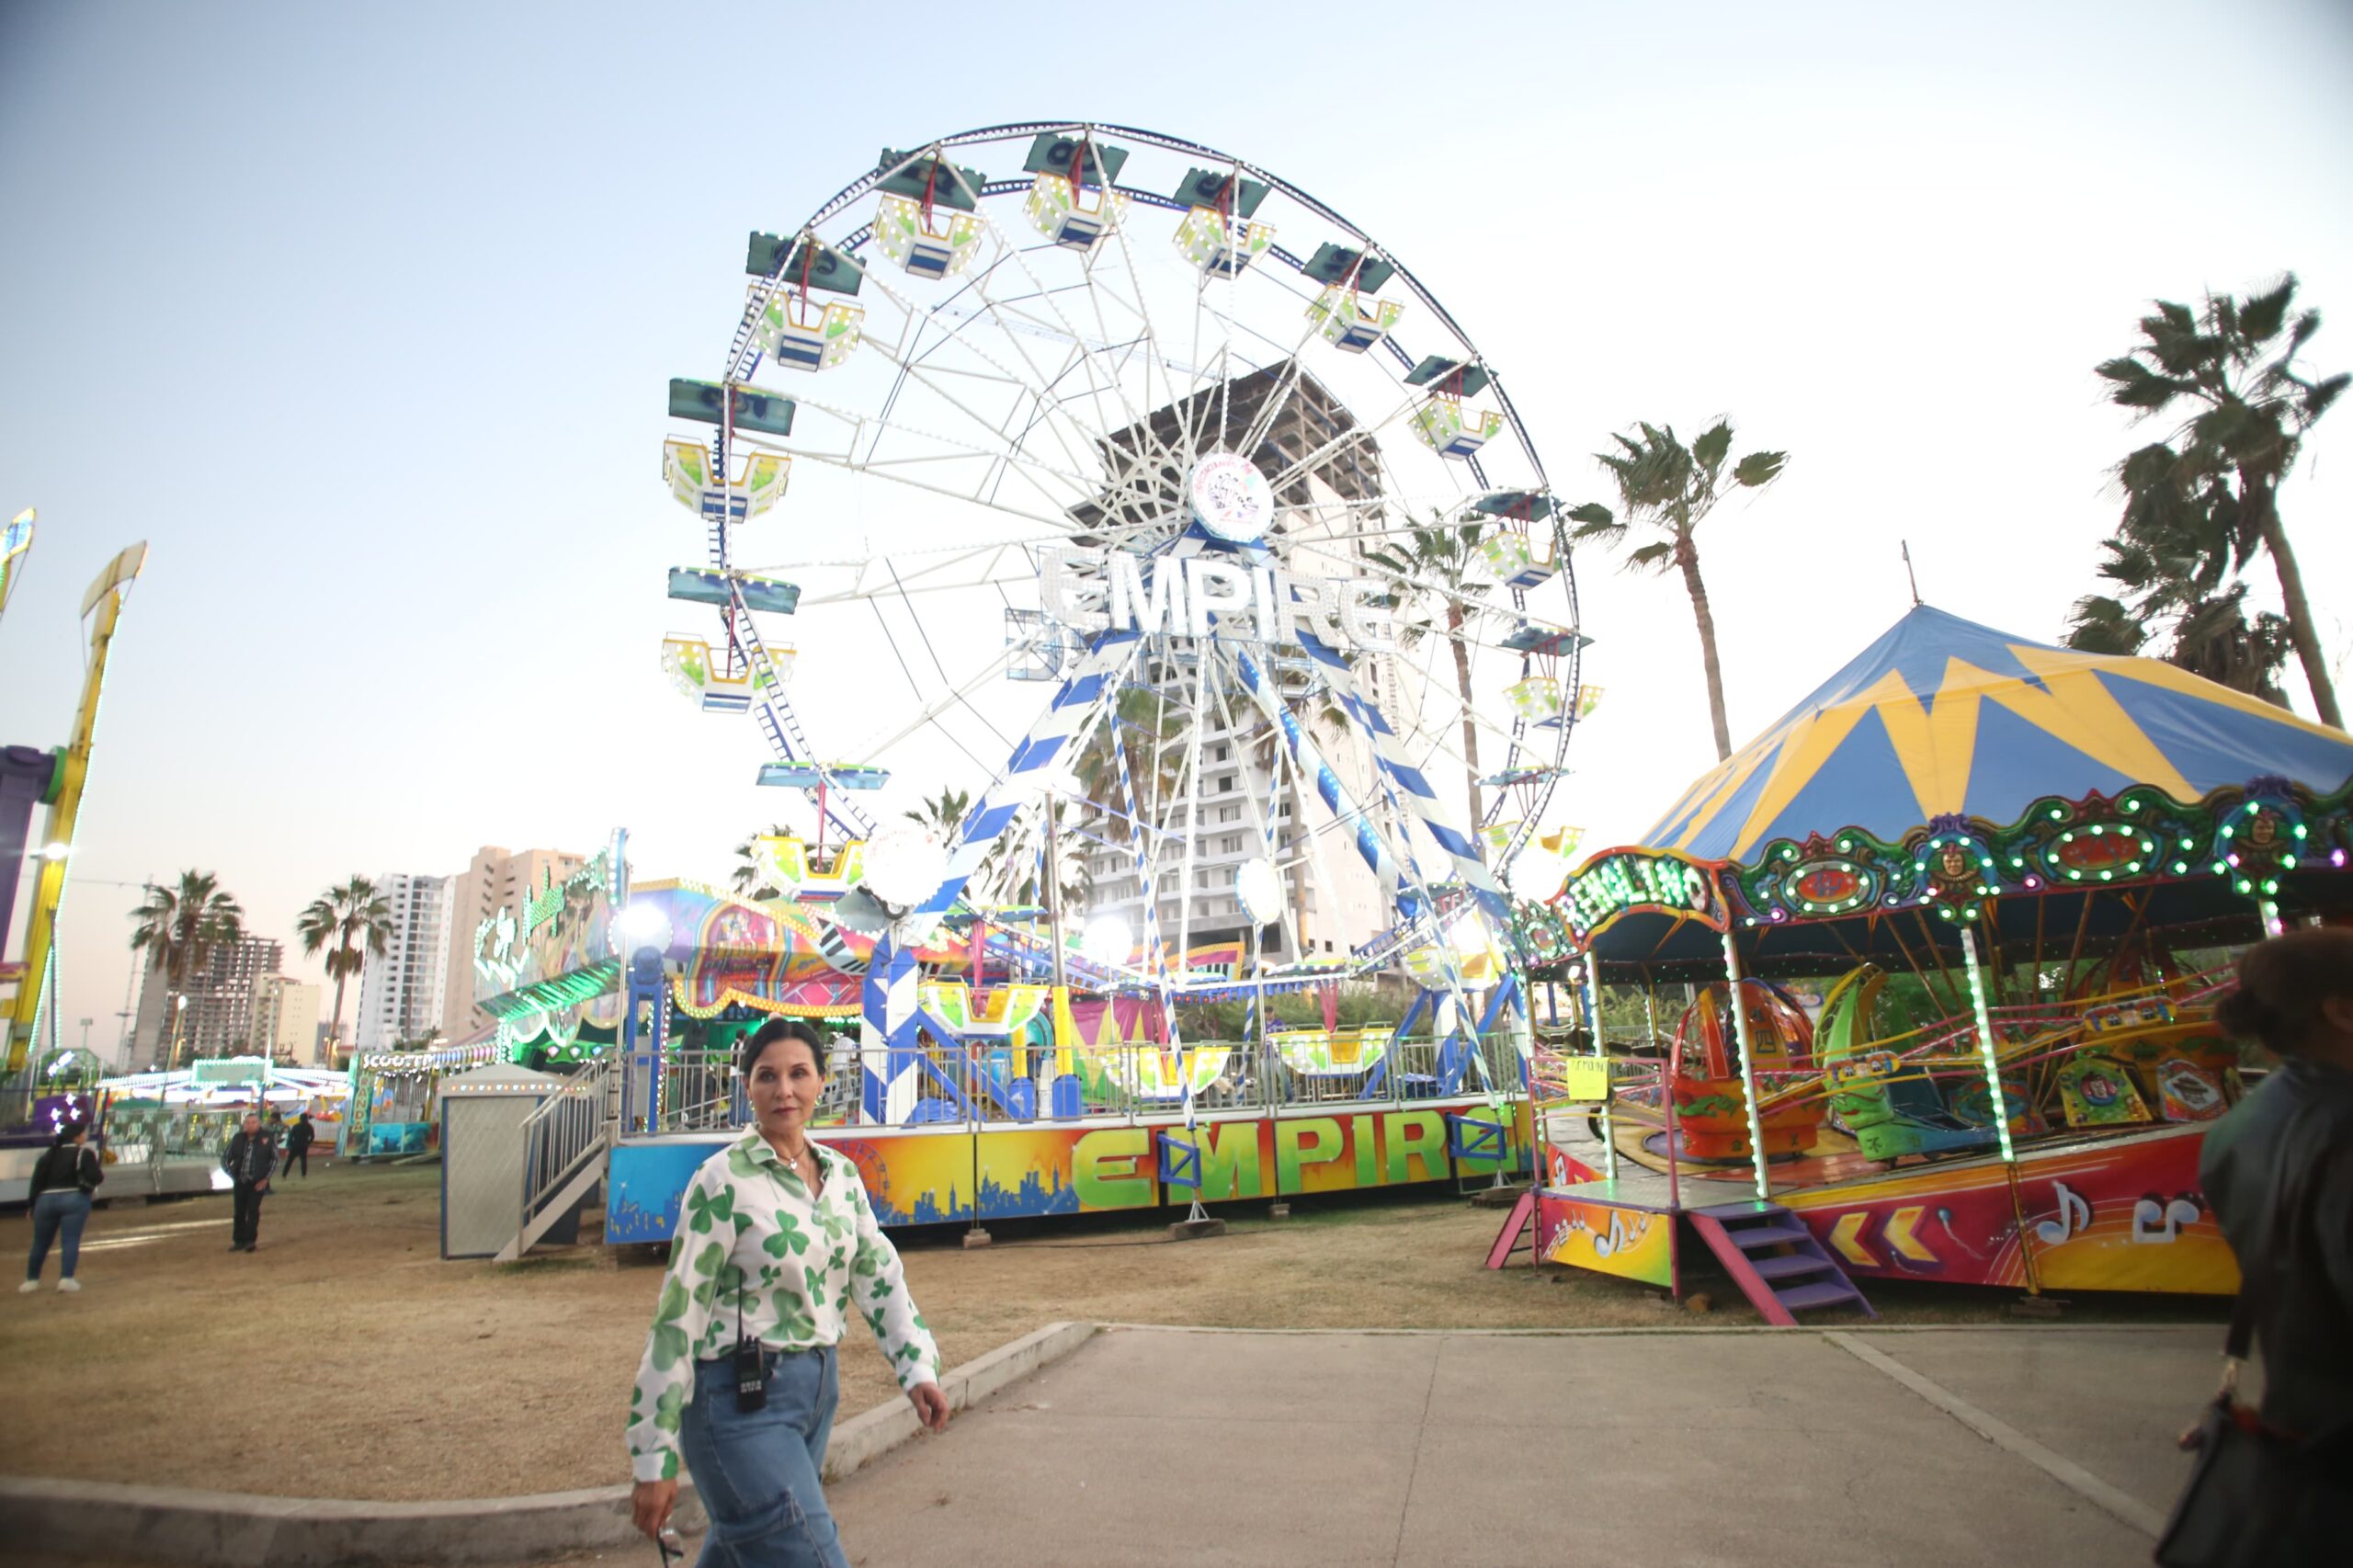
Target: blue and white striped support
<point>1141,833</point>
<point>1092,682</point>
<point>1411,786</point>
<point>1410,905</point>
<point>888,1088</point>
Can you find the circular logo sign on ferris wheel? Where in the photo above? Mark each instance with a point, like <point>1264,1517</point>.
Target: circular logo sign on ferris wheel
<point>1230,497</point>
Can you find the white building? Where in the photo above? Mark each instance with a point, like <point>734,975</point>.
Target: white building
<point>401,988</point>
<point>286,1019</point>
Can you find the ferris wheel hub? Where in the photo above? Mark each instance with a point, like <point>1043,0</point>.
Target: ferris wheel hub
<point>1229,497</point>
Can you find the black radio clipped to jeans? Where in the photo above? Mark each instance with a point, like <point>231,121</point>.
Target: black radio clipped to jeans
<point>750,1363</point>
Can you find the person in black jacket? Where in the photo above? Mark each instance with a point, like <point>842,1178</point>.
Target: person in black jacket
<point>251,1161</point>
<point>2278,1171</point>
<point>62,1185</point>
<point>299,1139</point>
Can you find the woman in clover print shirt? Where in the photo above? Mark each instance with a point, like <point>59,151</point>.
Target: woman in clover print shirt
<point>776,1234</point>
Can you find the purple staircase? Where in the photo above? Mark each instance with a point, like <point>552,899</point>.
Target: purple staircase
<point>1775,1260</point>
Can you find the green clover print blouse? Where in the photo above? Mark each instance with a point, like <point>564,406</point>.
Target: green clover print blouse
<point>801,1261</point>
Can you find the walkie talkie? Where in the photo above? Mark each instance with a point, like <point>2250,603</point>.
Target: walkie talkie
<point>751,1375</point>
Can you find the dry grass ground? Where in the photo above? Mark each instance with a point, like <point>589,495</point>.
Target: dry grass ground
<point>347,1359</point>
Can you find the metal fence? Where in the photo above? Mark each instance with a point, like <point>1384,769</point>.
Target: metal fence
<point>957,1085</point>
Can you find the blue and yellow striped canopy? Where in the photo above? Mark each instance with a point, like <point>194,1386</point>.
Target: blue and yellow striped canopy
<point>1942,715</point>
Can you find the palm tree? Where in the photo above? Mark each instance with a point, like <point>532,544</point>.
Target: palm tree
<point>943,815</point>
<point>351,922</point>
<point>1441,563</point>
<point>1665,485</point>
<point>2169,569</point>
<point>178,929</point>
<point>750,878</point>
<point>2233,364</point>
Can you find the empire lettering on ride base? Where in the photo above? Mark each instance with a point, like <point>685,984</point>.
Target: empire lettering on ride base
<point>1205,596</point>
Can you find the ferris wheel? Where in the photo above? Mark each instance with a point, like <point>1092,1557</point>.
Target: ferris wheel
<point>1168,485</point>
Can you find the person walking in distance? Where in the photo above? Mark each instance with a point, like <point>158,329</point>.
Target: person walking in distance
<point>60,1192</point>
<point>299,1139</point>
<point>776,1243</point>
<point>251,1161</point>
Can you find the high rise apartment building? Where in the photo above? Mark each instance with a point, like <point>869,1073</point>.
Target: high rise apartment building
<point>401,988</point>
<point>219,1018</point>
<point>1249,801</point>
<point>498,879</point>
<point>286,1019</point>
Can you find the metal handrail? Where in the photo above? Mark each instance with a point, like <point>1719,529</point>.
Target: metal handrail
<point>561,1135</point>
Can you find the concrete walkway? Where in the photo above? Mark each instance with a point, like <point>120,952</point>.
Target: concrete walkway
<point>1818,1447</point>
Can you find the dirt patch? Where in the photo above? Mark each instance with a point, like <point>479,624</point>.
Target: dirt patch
<point>347,1359</point>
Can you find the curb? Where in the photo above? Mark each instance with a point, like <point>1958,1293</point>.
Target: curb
<point>231,1530</point>
<point>1630,1331</point>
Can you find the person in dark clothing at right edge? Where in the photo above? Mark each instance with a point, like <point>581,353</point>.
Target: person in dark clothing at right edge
<point>299,1139</point>
<point>2279,1172</point>
<point>251,1159</point>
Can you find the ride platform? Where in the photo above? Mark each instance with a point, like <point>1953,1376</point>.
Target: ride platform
<point>1633,1227</point>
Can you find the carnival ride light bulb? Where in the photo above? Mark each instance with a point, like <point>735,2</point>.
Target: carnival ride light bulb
<point>1260,887</point>
<point>904,865</point>
<point>1537,875</point>
<point>1107,939</point>
<point>1468,935</point>
<point>642,925</point>
<point>56,851</point>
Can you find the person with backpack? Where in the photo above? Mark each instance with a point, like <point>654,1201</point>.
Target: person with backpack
<point>299,1139</point>
<point>251,1159</point>
<point>62,1185</point>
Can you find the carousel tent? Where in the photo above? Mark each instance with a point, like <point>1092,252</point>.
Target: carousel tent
<point>1942,715</point>
<point>1942,719</point>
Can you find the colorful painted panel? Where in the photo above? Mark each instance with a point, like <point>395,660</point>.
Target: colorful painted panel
<point>914,1178</point>
<point>2124,1214</point>
<point>1633,1243</point>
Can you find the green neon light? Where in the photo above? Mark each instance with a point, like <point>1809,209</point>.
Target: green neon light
<point>1985,1052</point>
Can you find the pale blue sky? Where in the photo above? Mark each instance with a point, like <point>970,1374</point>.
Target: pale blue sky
<point>360,315</point>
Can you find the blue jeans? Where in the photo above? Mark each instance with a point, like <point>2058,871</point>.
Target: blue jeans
<point>54,1212</point>
<point>757,1473</point>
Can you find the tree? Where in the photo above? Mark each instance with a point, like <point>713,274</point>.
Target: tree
<point>1440,563</point>
<point>350,923</point>
<point>943,815</point>
<point>750,878</point>
<point>178,929</point>
<point>2232,363</point>
<point>2169,569</point>
<point>1667,486</point>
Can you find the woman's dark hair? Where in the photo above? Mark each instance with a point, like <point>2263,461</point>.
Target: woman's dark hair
<point>756,1043</point>
<point>2282,983</point>
<point>68,1132</point>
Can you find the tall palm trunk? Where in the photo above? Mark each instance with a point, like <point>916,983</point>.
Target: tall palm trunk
<point>1687,556</point>
<point>335,1030</point>
<point>1454,620</point>
<point>2292,594</point>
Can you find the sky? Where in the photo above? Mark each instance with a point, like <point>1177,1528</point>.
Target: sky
<point>359,316</point>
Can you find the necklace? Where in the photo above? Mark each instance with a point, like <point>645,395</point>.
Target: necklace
<point>802,1164</point>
